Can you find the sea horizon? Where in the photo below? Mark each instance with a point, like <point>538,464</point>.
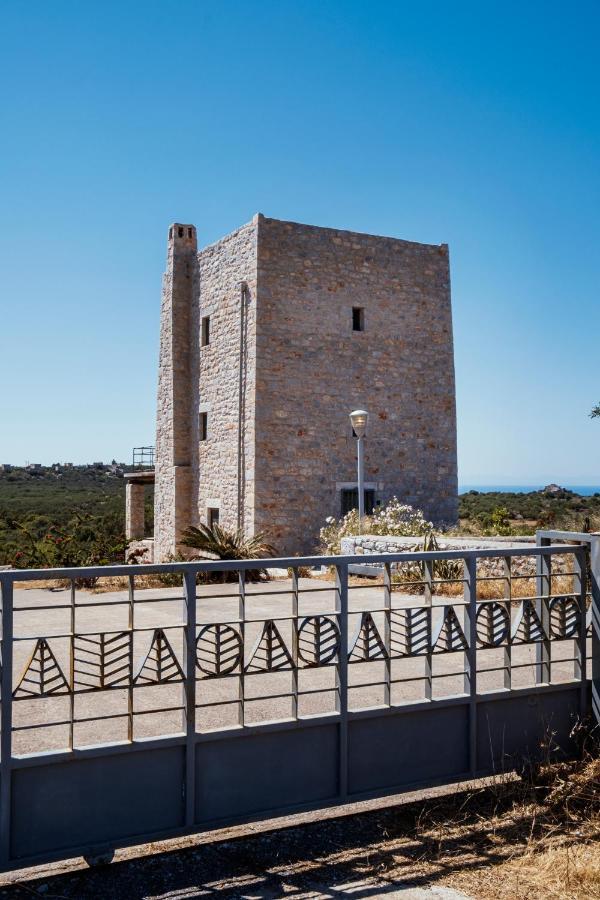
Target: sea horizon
<point>585,490</point>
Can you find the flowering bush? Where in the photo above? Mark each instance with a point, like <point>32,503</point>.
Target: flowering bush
<point>85,540</point>
<point>398,519</point>
<point>330,536</point>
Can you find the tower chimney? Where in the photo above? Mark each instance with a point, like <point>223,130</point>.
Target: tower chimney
<point>172,500</point>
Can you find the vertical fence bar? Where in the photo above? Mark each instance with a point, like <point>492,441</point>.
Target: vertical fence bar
<point>131,628</point>
<point>543,589</point>
<point>428,601</point>
<point>72,669</point>
<point>580,663</point>
<point>507,591</point>
<point>6,719</point>
<point>595,617</point>
<point>242,626</point>
<point>189,581</point>
<point>470,595</point>
<point>294,643</point>
<point>342,603</point>
<point>387,632</point>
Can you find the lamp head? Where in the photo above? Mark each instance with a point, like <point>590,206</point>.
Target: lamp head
<point>359,420</point>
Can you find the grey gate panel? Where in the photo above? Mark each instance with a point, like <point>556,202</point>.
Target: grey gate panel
<point>100,800</point>
<point>516,729</point>
<point>338,665</point>
<point>259,773</point>
<point>391,752</point>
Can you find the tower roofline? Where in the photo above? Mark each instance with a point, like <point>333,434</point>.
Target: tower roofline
<point>259,217</point>
<point>346,232</point>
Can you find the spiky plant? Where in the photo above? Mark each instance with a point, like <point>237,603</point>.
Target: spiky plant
<point>215,542</point>
<point>445,569</point>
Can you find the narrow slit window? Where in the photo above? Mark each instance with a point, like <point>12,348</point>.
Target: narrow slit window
<point>212,516</point>
<point>205,331</point>
<point>203,426</point>
<point>358,318</point>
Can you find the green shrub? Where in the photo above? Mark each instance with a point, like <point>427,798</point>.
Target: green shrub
<point>215,542</point>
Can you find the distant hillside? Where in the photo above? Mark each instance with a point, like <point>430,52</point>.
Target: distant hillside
<point>555,508</point>
<point>64,515</point>
<point>76,515</point>
<point>57,494</point>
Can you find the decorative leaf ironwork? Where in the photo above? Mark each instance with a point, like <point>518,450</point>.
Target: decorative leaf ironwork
<point>367,644</point>
<point>493,624</point>
<point>160,665</point>
<point>42,676</point>
<point>564,617</point>
<point>318,640</point>
<point>449,637</point>
<point>528,628</point>
<point>102,661</point>
<point>410,631</point>
<point>269,653</point>
<point>219,650</point>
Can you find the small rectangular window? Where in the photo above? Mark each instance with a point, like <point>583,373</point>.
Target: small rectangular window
<point>212,516</point>
<point>203,426</point>
<point>349,498</point>
<point>358,318</point>
<point>205,331</point>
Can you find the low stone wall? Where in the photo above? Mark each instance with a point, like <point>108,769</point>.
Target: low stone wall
<point>369,544</point>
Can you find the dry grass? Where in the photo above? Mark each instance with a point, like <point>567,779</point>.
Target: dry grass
<point>542,833</point>
<point>102,586</point>
<point>568,872</point>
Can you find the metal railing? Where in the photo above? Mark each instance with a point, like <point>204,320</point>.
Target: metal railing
<point>245,699</point>
<point>143,457</point>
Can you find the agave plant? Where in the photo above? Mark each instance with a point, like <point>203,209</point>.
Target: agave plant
<point>215,542</point>
<point>445,569</point>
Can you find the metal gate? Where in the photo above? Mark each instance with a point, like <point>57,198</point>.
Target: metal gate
<point>154,710</point>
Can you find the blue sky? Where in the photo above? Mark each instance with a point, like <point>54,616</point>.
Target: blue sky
<point>467,123</point>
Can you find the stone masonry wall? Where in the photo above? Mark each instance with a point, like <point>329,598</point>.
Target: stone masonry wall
<point>216,380</point>
<point>303,370</point>
<point>313,369</point>
<point>134,511</point>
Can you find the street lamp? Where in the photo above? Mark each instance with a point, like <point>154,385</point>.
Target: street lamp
<point>359,420</point>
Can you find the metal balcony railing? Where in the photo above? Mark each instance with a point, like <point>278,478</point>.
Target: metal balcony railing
<point>143,457</point>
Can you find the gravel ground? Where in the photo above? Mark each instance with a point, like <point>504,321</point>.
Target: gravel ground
<point>364,850</point>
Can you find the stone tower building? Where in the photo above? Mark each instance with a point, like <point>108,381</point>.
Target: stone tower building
<point>269,338</point>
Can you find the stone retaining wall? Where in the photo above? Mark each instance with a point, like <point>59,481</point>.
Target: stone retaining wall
<point>370,544</point>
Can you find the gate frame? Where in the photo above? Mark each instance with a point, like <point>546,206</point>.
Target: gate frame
<point>544,538</point>
<point>190,740</point>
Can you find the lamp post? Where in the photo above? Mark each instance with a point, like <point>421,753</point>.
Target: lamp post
<point>359,420</point>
